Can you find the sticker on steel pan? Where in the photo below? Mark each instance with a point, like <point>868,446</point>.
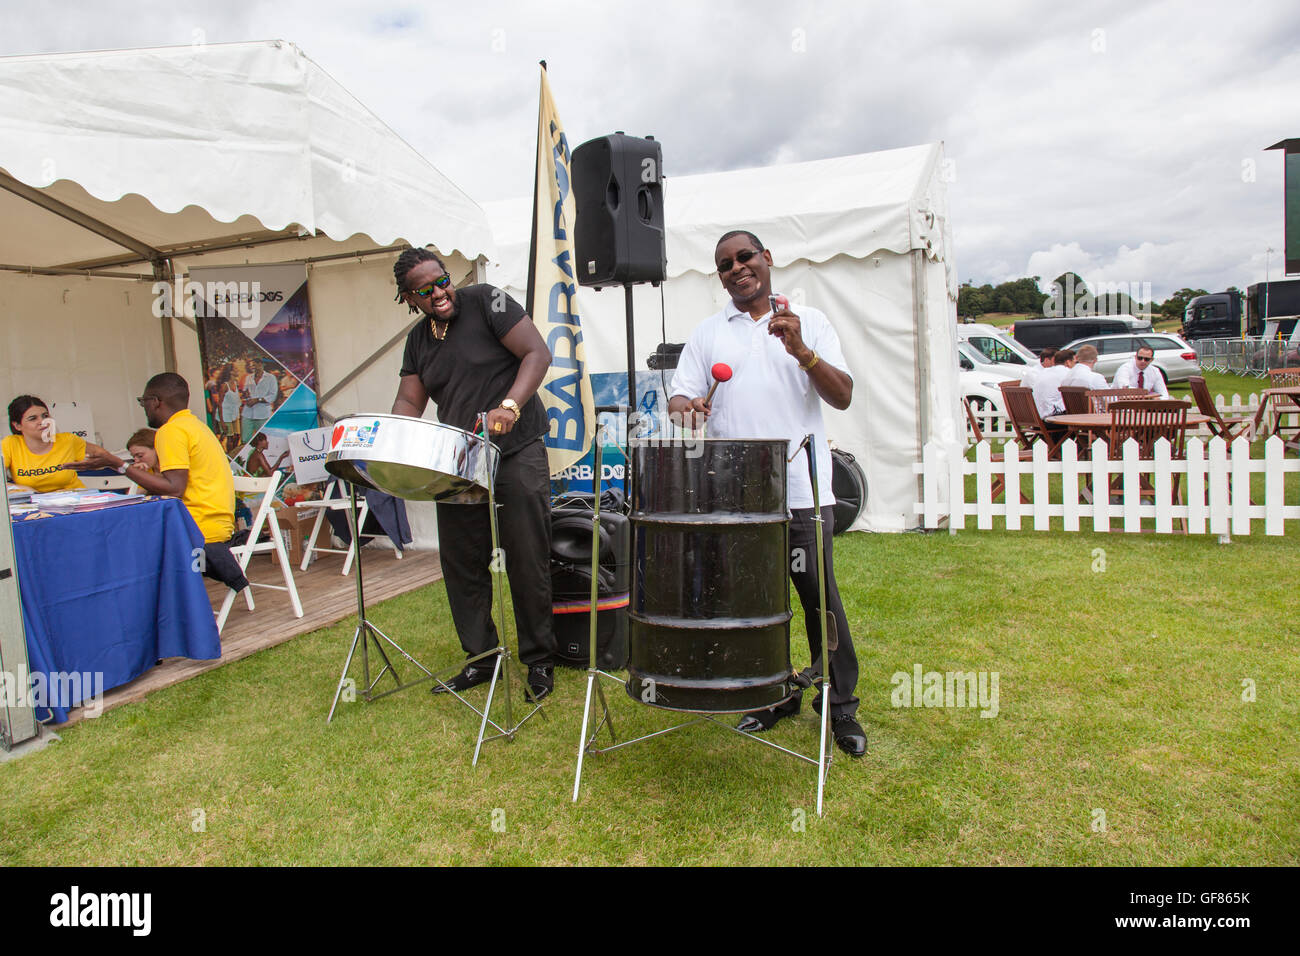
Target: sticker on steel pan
<point>353,436</point>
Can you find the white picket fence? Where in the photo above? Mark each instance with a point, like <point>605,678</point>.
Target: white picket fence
<point>995,425</point>
<point>1214,488</point>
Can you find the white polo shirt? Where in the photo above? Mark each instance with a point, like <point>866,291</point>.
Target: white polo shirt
<point>768,395</point>
<point>1084,375</point>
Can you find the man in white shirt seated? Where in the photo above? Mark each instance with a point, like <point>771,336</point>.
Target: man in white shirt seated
<point>1047,390</point>
<point>1046,359</point>
<point>1138,372</point>
<point>1082,373</point>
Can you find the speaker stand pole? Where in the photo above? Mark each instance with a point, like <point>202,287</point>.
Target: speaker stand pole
<point>632,417</point>
<point>593,672</point>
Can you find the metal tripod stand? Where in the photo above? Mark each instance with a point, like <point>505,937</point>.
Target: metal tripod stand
<point>820,681</point>
<point>367,634</point>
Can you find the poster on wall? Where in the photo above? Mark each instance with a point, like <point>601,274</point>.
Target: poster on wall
<point>610,388</point>
<point>259,363</point>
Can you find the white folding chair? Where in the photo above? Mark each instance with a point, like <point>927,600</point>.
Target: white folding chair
<point>331,503</point>
<point>110,483</point>
<point>264,516</point>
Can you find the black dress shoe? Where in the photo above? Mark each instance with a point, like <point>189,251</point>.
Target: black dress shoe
<point>761,720</point>
<point>849,735</point>
<point>541,681</point>
<point>471,676</point>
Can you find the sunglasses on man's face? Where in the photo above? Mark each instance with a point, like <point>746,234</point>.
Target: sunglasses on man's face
<point>425,291</point>
<point>742,257</point>
<point>1145,358</point>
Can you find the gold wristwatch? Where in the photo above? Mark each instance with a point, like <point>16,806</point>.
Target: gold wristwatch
<point>510,405</point>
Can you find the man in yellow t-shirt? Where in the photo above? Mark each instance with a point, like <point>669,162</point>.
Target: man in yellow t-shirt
<point>193,468</point>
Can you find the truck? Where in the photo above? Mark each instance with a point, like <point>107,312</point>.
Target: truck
<point>1273,302</point>
<point>1213,316</point>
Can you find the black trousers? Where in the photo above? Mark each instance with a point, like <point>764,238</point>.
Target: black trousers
<point>523,495</point>
<point>844,659</point>
<point>219,562</point>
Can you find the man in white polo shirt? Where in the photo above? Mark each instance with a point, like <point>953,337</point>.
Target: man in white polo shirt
<point>783,367</point>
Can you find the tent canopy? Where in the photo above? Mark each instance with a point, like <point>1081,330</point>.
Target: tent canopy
<point>126,156</point>
<point>851,206</point>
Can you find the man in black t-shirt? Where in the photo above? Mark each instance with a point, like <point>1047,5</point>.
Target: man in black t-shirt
<point>477,350</point>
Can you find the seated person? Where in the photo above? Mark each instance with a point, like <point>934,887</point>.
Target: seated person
<point>1082,373</point>
<point>1138,372</point>
<point>35,454</point>
<point>1047,388</point>
<point>1046,358</point>
<point>140,447</point>
<point>193,467</point>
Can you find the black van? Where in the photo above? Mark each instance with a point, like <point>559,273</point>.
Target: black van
<point>1039,334</point>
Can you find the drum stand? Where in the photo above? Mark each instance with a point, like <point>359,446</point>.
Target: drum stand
<point>819,681</point>
<point>367,632</point>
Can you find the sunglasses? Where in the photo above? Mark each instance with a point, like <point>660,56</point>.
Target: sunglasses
<point>425,291</point>
<point>146,398</point>
<point>1144,358</point>
<point>726,265</point>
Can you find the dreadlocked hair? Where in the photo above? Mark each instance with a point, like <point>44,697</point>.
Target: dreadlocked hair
<point>407,261</point>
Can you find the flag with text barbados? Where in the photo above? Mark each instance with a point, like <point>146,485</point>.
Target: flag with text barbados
<point>552,294</point>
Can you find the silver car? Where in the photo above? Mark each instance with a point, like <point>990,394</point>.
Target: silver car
<point>1175,359</point>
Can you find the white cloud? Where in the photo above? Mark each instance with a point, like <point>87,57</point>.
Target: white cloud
<point>1110,131</point>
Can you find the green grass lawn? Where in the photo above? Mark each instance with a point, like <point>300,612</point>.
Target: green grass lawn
<point>1122,737</point>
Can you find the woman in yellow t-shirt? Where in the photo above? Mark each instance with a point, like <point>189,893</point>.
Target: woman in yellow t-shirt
<point>34,455</point>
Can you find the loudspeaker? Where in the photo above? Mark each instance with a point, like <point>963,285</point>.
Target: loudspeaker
<point>618,192</point>
<point>571,582</point>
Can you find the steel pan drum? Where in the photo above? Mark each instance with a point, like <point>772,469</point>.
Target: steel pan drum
<point>709,619</point>
<point>412,458</point>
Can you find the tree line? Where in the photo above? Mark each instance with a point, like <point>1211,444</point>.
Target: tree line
<point>1069,295</point>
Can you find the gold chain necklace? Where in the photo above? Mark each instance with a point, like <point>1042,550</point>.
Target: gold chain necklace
<point>439,328</point>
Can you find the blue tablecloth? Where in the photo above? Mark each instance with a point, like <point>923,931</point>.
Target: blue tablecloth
<point>110,592</point>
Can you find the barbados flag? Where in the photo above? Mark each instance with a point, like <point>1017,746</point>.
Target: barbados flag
<point>552,293</point>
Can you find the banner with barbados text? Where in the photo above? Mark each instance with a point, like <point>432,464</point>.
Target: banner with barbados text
<point>552,294</point>
<point>259,363</point>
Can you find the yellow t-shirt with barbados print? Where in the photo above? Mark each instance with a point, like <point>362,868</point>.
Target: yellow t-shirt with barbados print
<point>185,442</point>
<point>44,472</point>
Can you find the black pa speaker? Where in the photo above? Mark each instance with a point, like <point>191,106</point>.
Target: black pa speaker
<point>618,190</point>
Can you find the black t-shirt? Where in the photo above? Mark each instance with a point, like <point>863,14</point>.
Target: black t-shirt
<point>470,371</point>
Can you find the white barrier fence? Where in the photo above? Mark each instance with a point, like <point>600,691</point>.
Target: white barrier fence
<point>1213,481</point>
<point>1245,356</point>
<point>995,426</point>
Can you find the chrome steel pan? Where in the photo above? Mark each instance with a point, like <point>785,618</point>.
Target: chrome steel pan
<point>412,458</point>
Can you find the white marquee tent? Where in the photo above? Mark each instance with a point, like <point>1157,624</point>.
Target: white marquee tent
<point>864,238</point>
<point>119,168</point>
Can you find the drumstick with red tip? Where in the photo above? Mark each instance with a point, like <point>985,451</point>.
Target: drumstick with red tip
<point>721,373</point>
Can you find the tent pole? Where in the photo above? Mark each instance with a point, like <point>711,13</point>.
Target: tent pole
<point>162,272</point>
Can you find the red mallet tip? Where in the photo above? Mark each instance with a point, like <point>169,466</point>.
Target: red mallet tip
<point>722,372</point>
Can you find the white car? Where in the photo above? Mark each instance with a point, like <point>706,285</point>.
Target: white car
<point>981,384</point>
<point>1174,358</point>
<point>989,346</point>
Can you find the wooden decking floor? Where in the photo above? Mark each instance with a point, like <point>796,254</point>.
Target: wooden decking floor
<point>326,595</point>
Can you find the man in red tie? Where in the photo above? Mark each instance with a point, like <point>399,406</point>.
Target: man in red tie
<point>1140,373</point>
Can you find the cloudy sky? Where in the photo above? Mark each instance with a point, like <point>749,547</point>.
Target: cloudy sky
<point>1123,140</point>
